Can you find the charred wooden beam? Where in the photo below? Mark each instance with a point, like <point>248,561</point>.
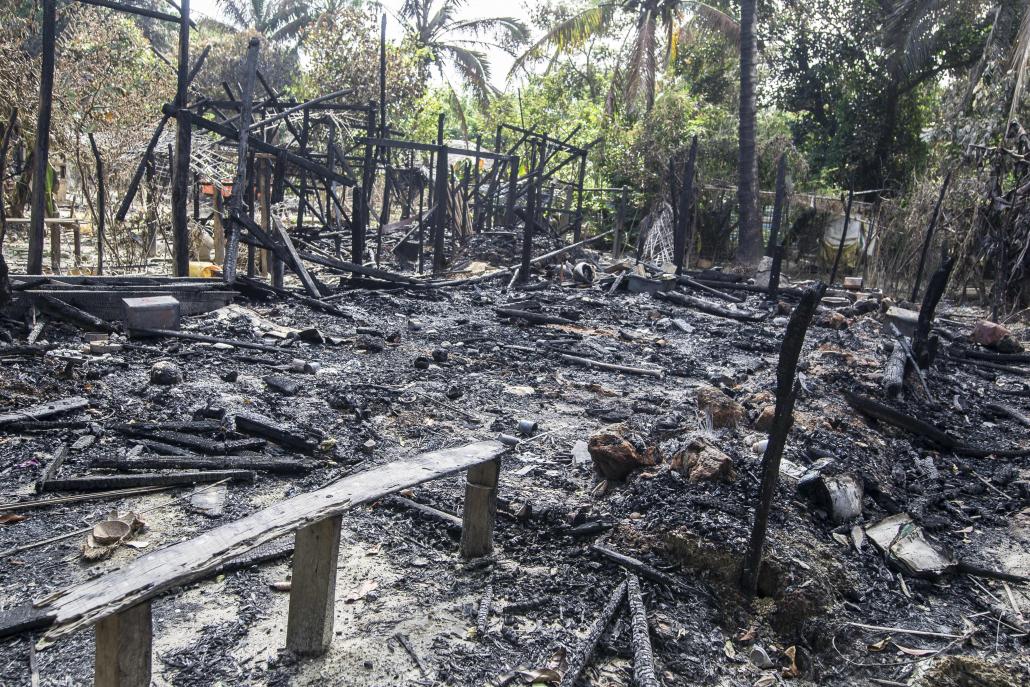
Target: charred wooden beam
<point>582,657</point>
<point>640,636</point>
<point>106,482</point>
<point>278,466</point>
<point>183,144</point>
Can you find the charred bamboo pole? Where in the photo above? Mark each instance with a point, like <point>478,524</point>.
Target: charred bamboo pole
<point>601,623</point>
<point>101,204</point>
<point>643,657</point>
<point>239,187</point>
<point>929,235</point>
<point>183,142</point>
<point>786,395</point>
<point>843,235</point>
<point>42,151</point>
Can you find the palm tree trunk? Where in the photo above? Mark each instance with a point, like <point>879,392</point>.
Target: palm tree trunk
<point>750,247</point>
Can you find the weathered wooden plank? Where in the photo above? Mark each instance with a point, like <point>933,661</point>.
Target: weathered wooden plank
<point>480,512</point>
<point>123,647</point>
<point>78,607</point>
<point>309,626</point>
<point>43,410</point>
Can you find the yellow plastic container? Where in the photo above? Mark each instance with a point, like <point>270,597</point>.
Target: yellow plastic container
<point>207,270</point>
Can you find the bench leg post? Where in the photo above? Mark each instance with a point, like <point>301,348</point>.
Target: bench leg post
<point>309,629</point>
<point>477,520</point>
<point>123,646</point>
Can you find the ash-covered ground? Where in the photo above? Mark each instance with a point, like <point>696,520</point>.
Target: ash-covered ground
<point>415,370</point>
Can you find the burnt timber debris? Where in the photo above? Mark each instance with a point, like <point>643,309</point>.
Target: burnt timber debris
<point>727,477</point>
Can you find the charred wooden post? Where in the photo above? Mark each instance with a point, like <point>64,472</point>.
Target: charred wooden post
<point>42,150</point>
<point>240,183</point>
<point>183,142</point>
<point>578,662</point>
<point>309,627</point>
<point>777,217</point>
<point>531,201</point>
<point>5,143</point>
<point>123,647</point>
<point>218,223</point>
<point>480,512</point>
<point>620,224</point>
<point>360,211</point>
<point>303,193</point>
<point>269,262</point>
<point>843,235</point>
<point>686,203</point>
<point>577,229</point>
<point>513,192</point>
<point>384,213</point>
<point>249,202</point>
<point>774,273</point>
<point>101,205</point>
<point>477,198</point>
<point>786,395</point>
<point>924,347</point>
<point>440,193</point>
<point>382,80</point>
<point>643,657</point>
<point>929,236</point>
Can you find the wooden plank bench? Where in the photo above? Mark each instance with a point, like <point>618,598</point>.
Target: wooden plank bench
<point>118,602</point>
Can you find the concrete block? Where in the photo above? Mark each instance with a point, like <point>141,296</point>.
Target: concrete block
<point>152,312</point>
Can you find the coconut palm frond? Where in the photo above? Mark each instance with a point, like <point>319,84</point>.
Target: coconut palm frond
<point>709,17</point>
<point>474,70</point>
<point>571,33</point>
<point>236,12</point>
<point>641,72</point>
<point>1020,60</point>
<point>515,29</point>
<point>291,29</point>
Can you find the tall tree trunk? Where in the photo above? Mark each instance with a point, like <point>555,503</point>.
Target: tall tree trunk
<point>750,248</point>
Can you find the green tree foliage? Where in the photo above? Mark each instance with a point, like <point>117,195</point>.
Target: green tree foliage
<point>341,50</point>
<point>859,74</point>
<point>652,32</point>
